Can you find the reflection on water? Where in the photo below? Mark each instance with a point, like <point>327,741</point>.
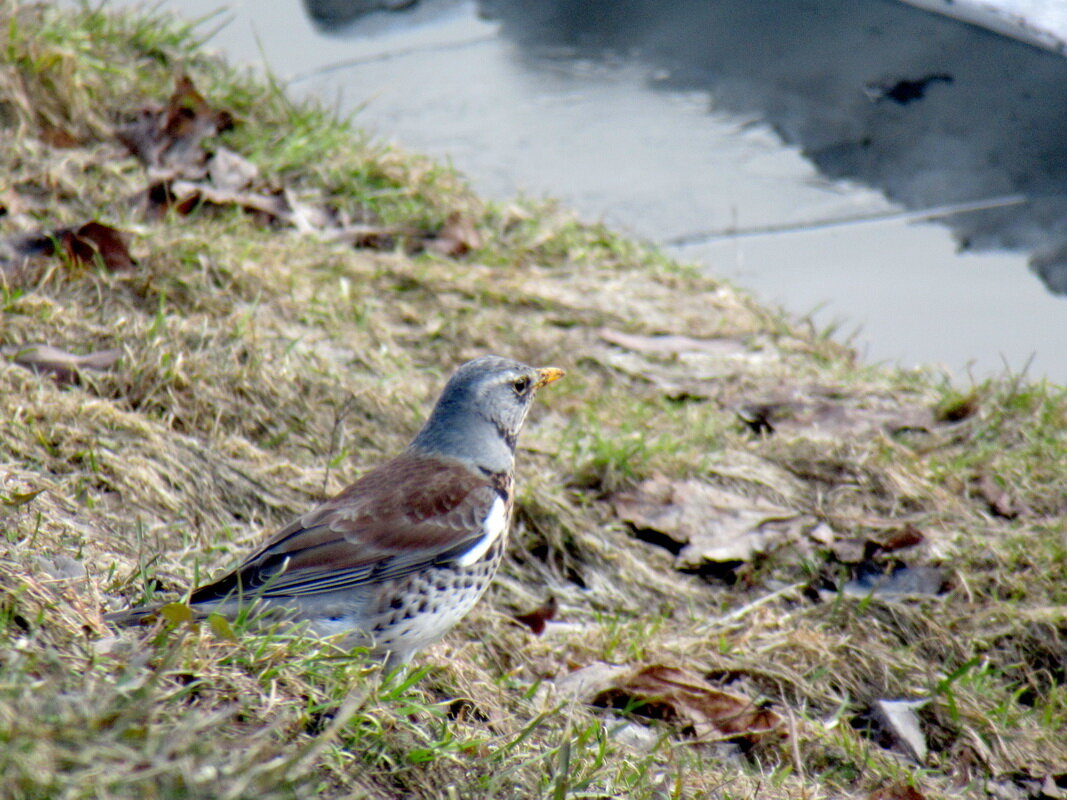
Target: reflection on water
<point>657,116</point>
<point>336,13</point>
<point>929,111</point>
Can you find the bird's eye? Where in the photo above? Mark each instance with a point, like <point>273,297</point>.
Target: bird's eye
<point>521,385</point>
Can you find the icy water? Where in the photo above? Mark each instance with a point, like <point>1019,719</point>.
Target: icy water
<point>808,151</point>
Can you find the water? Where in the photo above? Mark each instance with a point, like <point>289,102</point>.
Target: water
<point>763,140</point>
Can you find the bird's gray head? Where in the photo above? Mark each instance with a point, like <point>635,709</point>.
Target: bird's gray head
<point>481,410</point>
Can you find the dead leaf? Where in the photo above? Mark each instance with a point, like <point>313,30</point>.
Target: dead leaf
<point>183,176</point>
<point>279,207</point>
<point>850,550</point>
<point>689,374</point>
<point>856,550</point>
<point>703,524</point>
<point>958,409</point>
<point>457,237</point>
<point>64,367</point>
<point>535,620</point>
<point>1001,501</point>
<point>897,791</point>
<point>109,243</point>
<point>897,538</point>
<point>184,196</point>
<point>59,138</point>
<point>670,344</point>
<point>16,499</point>
<point>90,244</point>
<point>167,141</point>
<point>686,700</point>
<point>378,237</point>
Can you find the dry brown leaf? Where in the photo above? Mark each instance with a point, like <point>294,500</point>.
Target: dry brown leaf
<point>669,344</point>
<point>535,620</point>
<point>109,244</point>
<point>704,524</point>
<point>187,195</point>
<point>378,237</point>
<point>167,141</point>
<point>183,176</point>
<point>90,244</point>
<point>64,367</point>
<point>897,791</point>
<point>856,550</point>
<point>897,538</point>
<point>959,409</point>
<point>1001,501</point>
<point>60,138</point>
<point>457,237</point>
<point>16,499</point>
<point>681,698</point>
<point>689,374</point>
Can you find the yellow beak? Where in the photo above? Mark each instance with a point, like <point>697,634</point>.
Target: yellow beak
<point>546,375</point>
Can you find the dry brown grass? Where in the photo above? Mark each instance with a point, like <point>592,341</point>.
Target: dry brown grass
<point>262,370</point>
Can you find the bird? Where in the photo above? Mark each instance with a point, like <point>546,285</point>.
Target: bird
<point>397,558</point>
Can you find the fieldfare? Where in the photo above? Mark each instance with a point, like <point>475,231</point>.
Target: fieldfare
<point>401,555</point>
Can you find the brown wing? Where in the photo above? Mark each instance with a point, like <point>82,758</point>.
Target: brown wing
<point>407,514</point>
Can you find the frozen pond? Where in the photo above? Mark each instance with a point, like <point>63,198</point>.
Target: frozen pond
<point>809,151</point>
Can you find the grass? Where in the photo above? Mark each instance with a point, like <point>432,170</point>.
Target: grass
<point>262,370</point>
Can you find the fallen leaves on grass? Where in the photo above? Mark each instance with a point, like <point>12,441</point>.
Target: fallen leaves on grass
<point>16,499</point>
<point>1000,499</point>
<point>168,140</point>
<point>457,237</point>
<point>705,525</point>
<point>858,549</point>
<point>671,344</point>
<point>92,243</point>
<point>537,619</point>
<point>958,408</point>
<point>654,360</point>
<point>57,137</point>
<point>65,368</point>
<point>676,696</point>
<point>897,791</point>
<point>184,175</point>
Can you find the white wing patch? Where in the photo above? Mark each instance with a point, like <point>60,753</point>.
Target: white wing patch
<point>496,521</point>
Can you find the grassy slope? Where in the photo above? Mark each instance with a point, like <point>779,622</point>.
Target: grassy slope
<point>262,370</point>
